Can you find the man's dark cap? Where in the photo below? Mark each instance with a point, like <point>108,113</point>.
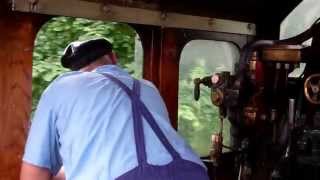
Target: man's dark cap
<point>80,54</point>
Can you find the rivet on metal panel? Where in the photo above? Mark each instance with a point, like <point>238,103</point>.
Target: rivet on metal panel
<point>33,5</point>
<point>106,9</point>
<point>251,27</point>
<point>163,19</point>
<point>164,16</point>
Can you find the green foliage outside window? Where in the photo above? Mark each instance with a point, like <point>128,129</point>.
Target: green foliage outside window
<point>59,32</point>
<point>198,120</point>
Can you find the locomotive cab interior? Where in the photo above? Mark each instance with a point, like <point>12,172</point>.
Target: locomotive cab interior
<point>271,97</point>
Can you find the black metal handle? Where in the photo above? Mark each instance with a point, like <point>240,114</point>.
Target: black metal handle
<point>197,82</point>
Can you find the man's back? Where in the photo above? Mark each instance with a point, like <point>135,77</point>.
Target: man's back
<point>93,127</point>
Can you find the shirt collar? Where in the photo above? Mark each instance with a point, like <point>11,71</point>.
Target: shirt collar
<point>112,69</point>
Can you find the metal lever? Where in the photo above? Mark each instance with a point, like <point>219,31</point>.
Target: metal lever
<point>205,81</point>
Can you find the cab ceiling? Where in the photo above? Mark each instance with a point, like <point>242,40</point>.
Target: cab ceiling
<point>247,17</point>
<point>241,10</point>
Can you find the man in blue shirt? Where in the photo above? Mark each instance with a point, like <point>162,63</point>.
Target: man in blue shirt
<point>84,121</point>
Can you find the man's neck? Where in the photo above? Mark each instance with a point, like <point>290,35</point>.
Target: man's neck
<point>92,67</point>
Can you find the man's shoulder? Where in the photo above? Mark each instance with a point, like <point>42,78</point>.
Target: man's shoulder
<point>148,83</point>
<point>73,78</point>
<point>69,80</point>
<point>66,76</point>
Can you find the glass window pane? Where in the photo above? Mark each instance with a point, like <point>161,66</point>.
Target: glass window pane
<point>299,20</point>
<point>199,120</point>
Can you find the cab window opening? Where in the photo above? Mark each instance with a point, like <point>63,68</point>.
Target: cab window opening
<point>58,32</point>
<point>299,20</point>
<point>198,120</point>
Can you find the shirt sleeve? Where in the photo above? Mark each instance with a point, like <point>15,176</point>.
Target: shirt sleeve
<point>42,147</point>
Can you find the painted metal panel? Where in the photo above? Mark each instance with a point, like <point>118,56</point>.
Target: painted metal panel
<point>108,12</point>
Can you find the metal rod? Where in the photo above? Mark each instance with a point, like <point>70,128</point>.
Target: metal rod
<point>291,113</point>
<point>240,172</point>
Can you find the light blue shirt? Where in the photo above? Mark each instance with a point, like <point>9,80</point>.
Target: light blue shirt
<point>84,122</point>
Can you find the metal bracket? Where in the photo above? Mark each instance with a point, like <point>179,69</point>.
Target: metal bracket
<point>13,5</point>
<point>33,5</point>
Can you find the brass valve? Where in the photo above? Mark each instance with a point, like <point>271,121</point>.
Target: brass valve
<point>218,83</point>
<point>312,89</point>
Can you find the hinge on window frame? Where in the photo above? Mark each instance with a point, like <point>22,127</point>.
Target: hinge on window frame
<point>13,5</point>
<point>33,5</point>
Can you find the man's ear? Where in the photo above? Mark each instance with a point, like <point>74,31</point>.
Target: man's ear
<point>113,58</point>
